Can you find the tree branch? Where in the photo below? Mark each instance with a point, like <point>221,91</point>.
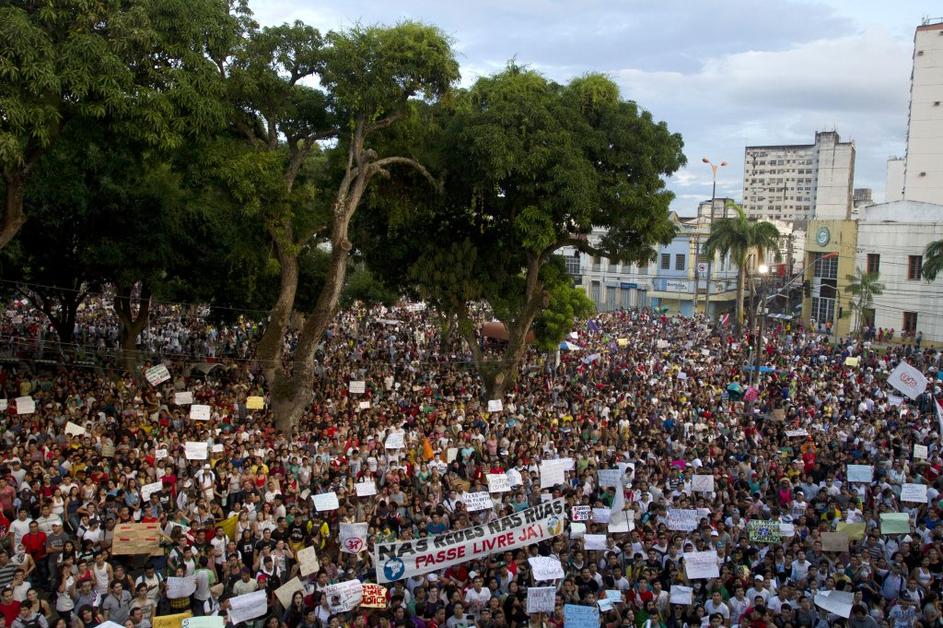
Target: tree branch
<point>382,123</point>
<point>415,165</point>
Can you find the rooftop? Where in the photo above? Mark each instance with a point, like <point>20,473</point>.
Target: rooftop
<point>902,211</point>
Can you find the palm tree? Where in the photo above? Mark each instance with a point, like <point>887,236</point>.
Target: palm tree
<point>864,286</point>
<point>739,236</point>
<point>932,260</point>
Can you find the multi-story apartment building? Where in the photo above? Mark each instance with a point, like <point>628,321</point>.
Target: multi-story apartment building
<point>923,165</point>
<point>795,183</point>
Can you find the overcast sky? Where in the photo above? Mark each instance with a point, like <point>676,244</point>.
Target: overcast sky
<point>724,73</point>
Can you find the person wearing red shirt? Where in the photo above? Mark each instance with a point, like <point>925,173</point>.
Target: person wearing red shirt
<point>34,542</point>
<point>9,608</point>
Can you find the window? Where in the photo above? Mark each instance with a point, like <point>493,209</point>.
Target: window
<point>914,266</point>
<point>665,261</point>
<point>611,297</point>
<point>825,265</point>
<point>573,264</point>
<point>874,263</point>
<point>596,261</point>
<point>910,323</point>
<point>594,292</point>
<point>643,270</point>
<point>679,261</point>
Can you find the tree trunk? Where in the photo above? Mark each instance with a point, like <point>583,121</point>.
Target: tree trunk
<point>741,280</point>
<point>131,325</point>
<point>13,216</point>
<point>269,350</point>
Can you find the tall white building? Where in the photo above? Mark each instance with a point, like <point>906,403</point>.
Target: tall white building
<point>797,182</point>
<point>923,169</point>
<point>894,183</point>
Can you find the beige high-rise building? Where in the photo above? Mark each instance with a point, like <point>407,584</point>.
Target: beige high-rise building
<point>923,168</point>
<point>894,183</point>
<point>798,182</point>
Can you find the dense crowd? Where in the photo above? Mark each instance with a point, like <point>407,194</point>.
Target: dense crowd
<point>663,400</point>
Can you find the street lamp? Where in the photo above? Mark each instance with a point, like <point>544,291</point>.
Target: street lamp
<point>710,222</point>
<point>763,271</point>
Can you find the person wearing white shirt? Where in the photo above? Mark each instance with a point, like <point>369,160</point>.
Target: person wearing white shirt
<point>20,527</point>
<point>477,597</point>
<point>800,568</point>
<point>716,605</point>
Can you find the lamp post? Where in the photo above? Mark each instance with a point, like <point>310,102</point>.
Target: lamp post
<point>763,271</point>
<point>710,222</point>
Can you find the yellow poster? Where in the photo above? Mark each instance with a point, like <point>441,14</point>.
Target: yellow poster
<point>255,403</point>
<point>229,526</point>
<point>170,621</point>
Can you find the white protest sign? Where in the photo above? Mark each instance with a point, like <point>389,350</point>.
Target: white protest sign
<point>326,501</point>
<point>160,454</point>
<point>595,542</point>
<point>149,489</point>
<point>514,477</point>
<point>545,567</point>
<point>218,448</point>
<point>480,500</point>
<point>200,412</point>
<point>541,599</point>
<point>388,382</point>
<point>608,477</point>
<point>837,602</point>
<point>4,404</point>
<point>72,429</point>
<point>364,405</point>
<point>914,493</point>
<point>683,520</point>
<point>622,522</point>
<point>702,483</point>
<point>357,387</point>
<point>797,433</point>
<point>366,488</point>
<point>344,597</point>
<point>577,530</point>
<point>183,398</point>
<point>285,592</point>
<point>180,587</point>
<point>451,454</point>
<point>157,375</point>
<point>601,515</point>
<point>308,561</point>
<point>681,595</point>
<point>860,473</point>
<point>662,344</point>
<point>581,513</point>
<point>396,440</point>
<point>552,472</point>
<point>701,565</point>
<point>249,606</point>
<point>921,451</point>
<point>495,405</point>
<point>25,405</point>
<point>195,450</point>
<point>353,537</point>
<point>498,483</point>
<point>895,400</point>
<point>908,380</point>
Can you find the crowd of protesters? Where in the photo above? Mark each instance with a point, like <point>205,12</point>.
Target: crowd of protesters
<point>663,398</point>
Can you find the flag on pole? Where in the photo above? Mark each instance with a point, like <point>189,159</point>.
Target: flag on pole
<point>724,319</point>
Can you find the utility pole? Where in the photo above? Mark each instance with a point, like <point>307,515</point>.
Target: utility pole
<point>710,224</point>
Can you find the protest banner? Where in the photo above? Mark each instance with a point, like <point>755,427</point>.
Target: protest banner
<point>581,513</point>
<point>681,594</point>
<point>326,501</point>
<point>498,483</point>
<point>545,567</point>
<point>698,565</point>
<point>353,537</point>
<point>308,561</point>
<point>72,429</point>
<point>836,602</point>
<point>285,592</point>
<point>183,398</point>
<point>480,500</point>
<point>608,477</point>
<point>541,599</point>
<point>683,519</point>
<point>25,405</point>
<point>194,450</point>
<point>907,380</point>
<point>495,405</point>
<point>702,483</point>
<point>344,597</point>
<point>357,387</point>
<point>595,542</point>
<point>248,606</point>
<point>199,412</point>
<point>405,559</point>
<point>149,489</point>
<point>366,488</point>
<point>171,621</point>
<point>913,493</point>
<point>157,375</point>
<point>764,531</point>
<point>576,616</point>
<point>797,433</point>
<point>860,473</point>
<point>895,523</point>
<point>552,473</point>
<point>135,539</point>
<point>373,596</point>
<point>180,587</point>
<point>834,542</point>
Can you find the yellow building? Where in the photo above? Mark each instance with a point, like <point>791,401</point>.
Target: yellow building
<point>830,251</point>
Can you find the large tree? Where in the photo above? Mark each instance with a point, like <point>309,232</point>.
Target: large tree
<point>308,157</point>
<point>740,237</point>
<point>531,167</point>
<point>144,68</point>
